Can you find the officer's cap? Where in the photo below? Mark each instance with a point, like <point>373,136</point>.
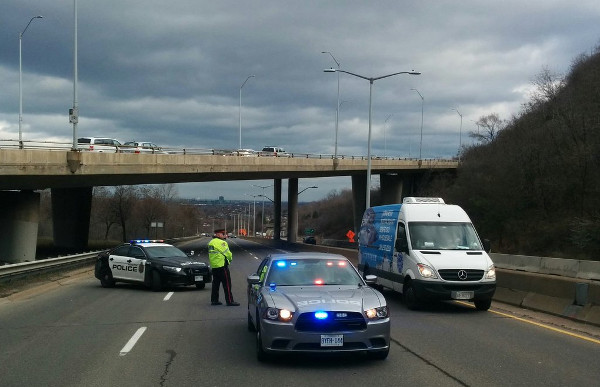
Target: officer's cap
<point>220,231</point>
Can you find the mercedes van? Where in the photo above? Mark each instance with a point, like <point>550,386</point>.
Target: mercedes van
<point>427,250</point>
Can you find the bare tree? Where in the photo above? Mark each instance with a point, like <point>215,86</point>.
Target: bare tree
<point>122,204</point>
<point>102,212</point>
<point>488,128</point>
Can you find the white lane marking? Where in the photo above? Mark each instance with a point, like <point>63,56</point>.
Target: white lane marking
<point>129,346</point>
<point>168,296</point>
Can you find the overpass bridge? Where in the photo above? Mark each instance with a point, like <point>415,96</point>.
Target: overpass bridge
<point>71,175</point>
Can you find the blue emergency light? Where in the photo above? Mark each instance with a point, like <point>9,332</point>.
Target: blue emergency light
<point>321,315</point>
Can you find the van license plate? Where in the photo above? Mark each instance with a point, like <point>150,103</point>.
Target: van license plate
<point>462,295</point>
<point>198,278</point>
<point>332,340</point>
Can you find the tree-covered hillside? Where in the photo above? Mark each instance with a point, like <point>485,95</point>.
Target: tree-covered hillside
<point>531,184</point>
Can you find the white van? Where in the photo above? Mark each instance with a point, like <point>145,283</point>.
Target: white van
<point>426,250</point>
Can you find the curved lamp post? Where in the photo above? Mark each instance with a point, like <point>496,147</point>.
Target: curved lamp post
<point>314,186</point>
<point>262,222</point>
<point>459,134</point>
<point>371,80</point>
<point>422,103</point>
<point>384,139</point>
<point>20,81</point>
<point>337,109</point>
<point>240,116</point>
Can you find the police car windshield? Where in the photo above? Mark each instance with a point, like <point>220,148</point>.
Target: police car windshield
<point>164,251</point>
<point>443,236</point>
<point>305,272</point>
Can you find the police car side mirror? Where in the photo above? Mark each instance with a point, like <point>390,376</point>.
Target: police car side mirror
<point>253,279</point>
<point>370,279</point>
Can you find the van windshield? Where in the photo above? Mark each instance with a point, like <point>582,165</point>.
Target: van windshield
<point>443,236</point>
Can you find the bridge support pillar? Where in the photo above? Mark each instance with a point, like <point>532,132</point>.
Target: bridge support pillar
<point>359,199</point>
<point>394,187</point>
<point>292,227</point>
<point>71,208</point>
<point>19,218</point>
<point>277,204</point>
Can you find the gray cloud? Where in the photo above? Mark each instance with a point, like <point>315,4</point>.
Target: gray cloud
<point>171,71</point>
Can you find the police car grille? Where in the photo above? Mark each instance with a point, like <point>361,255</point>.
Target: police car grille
<point>196,271</point>
<point>455,275</point>
<point>352,321</point>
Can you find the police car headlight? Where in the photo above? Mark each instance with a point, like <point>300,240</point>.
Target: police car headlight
<point>491,273</point>
<point>375,313</point>
<point>426,271</point>
<point>172,269</point>
<point>279,314</point>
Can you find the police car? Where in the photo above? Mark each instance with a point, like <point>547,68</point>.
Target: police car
<point>152,262</point>
<point>316,303</point>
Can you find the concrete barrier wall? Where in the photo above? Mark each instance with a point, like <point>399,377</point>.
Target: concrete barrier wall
<point>563,287</point>
<point>544,265</point>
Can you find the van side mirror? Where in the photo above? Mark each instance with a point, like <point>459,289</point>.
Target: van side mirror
<point>487,245</point>
<point>401,245</point>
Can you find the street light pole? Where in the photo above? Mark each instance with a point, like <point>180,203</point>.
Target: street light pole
<point>384,139</point>
<point>371,80</point>
<point>459,134</point>
<point>337,109</point>
<point>240,115</point>
<point>21,81</point>
<point>314,186</point>
<point>422,103</point>
<point>74,113</point>
<point>262,222</point>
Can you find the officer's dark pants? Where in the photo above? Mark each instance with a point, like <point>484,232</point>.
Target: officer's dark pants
<point>221,276</point>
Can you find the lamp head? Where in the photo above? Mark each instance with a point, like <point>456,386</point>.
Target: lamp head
<point>414,72</point>
<point>330,70</point>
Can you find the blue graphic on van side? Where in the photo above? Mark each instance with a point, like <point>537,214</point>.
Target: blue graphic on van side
<point>377,235</point>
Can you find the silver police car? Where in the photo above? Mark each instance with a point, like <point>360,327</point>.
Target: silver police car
<point>315,303</point>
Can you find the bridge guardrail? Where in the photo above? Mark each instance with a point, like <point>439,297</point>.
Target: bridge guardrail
<point>21,270</point>
<point>63,146</point>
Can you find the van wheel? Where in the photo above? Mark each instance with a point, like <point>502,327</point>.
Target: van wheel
<point>483,304</point>
<point>410,298</point>
<point>156,281</point>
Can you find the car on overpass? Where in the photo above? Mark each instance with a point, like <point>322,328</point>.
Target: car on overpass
<point>141,147</point>
<point>274,151</point>
<point>98,144</point>
<point>316,303</point>
<point>152,263</point>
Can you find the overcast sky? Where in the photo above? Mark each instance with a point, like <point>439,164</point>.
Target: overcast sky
<point>170,72</point>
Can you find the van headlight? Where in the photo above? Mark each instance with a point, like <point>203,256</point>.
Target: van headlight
<point>426,271</point>
<point>491,273</point>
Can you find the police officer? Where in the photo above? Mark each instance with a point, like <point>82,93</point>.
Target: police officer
<point>220,257</point>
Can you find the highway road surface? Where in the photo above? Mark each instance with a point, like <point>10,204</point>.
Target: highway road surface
<point>75,333</point>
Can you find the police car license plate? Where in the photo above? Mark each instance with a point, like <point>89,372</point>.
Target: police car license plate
<point>332,340</point>
<point>462,295</point>
<point>198,278</point>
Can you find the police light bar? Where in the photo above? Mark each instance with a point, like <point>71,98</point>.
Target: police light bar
<point>146,241</point>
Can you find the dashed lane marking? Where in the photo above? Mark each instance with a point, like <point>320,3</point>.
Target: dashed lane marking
<point>131,343</point>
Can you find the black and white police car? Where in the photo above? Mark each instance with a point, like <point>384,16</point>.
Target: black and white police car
<point>152,262</point>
